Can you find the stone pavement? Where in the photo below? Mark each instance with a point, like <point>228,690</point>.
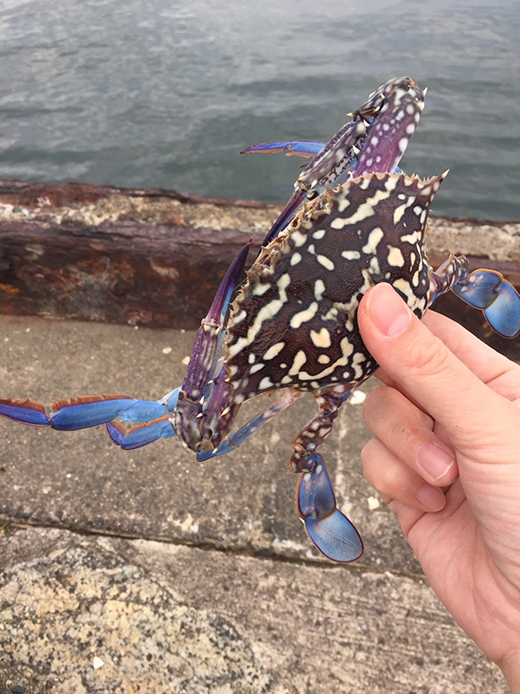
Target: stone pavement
<point>145,571</point>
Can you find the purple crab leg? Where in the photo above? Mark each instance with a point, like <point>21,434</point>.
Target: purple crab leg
<point>194,389</point>
<point>314,433</point>
<point>328,528</point>
<point>395,124</point>
<point>294,202</point>
<point>377,98</point>
<point>358,148</point>
<point>453,270</point>
<point>238,438</point>
<point>334,158</point>
<point>296,148</point>
<point>390,113</point>
<point>339,154</point>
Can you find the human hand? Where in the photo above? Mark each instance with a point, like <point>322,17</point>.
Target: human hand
<point>446,460</point>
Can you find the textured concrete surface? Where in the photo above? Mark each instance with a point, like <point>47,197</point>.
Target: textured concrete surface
<point>147,572</point>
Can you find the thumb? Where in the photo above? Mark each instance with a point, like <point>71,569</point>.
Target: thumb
<point>431,374</point>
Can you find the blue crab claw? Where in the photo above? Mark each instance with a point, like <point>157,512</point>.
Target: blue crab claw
<point>141,435</point>
<point>328,529</point>
<point>67,415</point>
<point>127,419</point>
<point>25,411</point>
<point>496,297</point>
<point>297,148</point>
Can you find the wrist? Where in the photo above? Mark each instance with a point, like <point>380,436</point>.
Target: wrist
<point>510,666</point>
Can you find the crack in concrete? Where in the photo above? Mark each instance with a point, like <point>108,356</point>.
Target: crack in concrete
<point>7,523</point>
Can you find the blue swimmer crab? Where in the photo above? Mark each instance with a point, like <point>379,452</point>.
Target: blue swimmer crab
<point>291,326</point>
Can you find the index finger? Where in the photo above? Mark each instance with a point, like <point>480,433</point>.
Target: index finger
<point>433,375</point>
<point>492,368</point>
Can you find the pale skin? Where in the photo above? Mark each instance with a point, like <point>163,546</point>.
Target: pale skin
<point>446,460</point>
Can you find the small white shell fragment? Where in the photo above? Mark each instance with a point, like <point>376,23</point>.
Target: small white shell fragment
<point>357,397</point>
<point>373,503</point>
<point>186,361</point>
<point>166,350</point>
<point>97,662</point>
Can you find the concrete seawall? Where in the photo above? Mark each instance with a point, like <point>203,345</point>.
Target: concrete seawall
<point>155,257</point>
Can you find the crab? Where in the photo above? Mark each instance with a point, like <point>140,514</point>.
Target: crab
<point>290,328</point>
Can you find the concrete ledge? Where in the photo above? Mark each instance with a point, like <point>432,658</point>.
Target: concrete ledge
<point>155,257</point>
<point>82,614</point>
<point>233,598</point>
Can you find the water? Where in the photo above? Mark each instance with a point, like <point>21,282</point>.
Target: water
<point>163,93</point>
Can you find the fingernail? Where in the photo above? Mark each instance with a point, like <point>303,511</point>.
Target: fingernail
<point>430,497</point>
<point>434,460</point>
<point>387,310</point>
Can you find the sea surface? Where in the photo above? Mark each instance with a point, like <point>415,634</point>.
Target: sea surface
<point>163,93</point>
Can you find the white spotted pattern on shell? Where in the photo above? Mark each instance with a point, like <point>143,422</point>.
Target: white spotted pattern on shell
<point>302,293</point>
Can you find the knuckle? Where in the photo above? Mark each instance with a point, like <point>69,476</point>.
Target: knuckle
<point>428,356</point>
<point>390,479</point>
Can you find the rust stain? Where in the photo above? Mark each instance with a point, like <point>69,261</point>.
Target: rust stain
<point>9,290</point>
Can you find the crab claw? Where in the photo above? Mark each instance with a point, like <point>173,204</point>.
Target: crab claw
<point>142,435</point>
<point>329,530</point>
<point>67,415</point>
<point>297,148</point>
<point>25,411</point>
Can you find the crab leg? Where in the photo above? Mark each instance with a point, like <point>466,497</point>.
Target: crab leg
<point>142,435</point>
<point>242,434</point>
<point>390,114</point>
<point>327,527</point>
<point>208,340</point>
<point>496,297</point>
<point>150,419</point>
<point>335,157</point>
<point>296,148</point>
<point>391,131</point>
<point>453,270</point>
<point>314,433</point>
<point>486,290</point>
<point>131,430</point>
<point>87,411</point>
